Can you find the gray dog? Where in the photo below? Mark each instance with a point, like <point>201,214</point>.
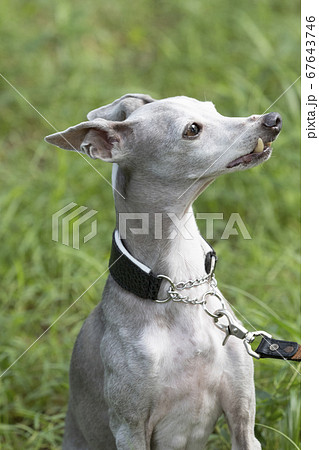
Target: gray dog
<point>148,369</point>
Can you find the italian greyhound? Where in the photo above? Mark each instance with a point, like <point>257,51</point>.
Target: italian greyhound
<point>147,373</point>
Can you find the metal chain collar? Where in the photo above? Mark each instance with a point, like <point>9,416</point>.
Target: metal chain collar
<point>234,327</point>
<point>175,296</point>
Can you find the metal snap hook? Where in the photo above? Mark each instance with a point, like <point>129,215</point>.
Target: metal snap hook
<point>250,337</point>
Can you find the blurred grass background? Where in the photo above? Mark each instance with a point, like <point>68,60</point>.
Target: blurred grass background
<point>67,57</point>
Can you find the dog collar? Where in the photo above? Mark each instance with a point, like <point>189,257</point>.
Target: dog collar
<point>134,276</point>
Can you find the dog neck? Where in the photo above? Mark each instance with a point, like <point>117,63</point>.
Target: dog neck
<point>157,228</point>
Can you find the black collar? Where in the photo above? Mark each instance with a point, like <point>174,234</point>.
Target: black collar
<point>136,277</point>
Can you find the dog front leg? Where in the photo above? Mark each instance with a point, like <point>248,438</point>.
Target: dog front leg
<point>242,432</point>
<point>129,436</point>
<point>126,439</point>
<point>240,416</point>
<point>238,399</point>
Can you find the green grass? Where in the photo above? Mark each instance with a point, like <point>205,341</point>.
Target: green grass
<point>67,57</point>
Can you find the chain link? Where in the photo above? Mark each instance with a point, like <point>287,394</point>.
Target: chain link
<point>175,296</point>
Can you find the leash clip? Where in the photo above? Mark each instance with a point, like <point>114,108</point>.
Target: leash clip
<point>250,337</point>
<point>234,328</point>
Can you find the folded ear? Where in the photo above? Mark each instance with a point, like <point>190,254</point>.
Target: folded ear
<point>100,139</point>
<point>121,108</point>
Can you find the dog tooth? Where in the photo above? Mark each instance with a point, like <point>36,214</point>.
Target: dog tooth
<point>260,146</point>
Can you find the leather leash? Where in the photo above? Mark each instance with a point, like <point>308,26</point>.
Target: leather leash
<point>278,349</point>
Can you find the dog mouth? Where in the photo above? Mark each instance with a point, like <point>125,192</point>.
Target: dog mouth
<point>260,152</point>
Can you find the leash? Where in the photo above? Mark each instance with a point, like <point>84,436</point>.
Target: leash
<point>137,278</point>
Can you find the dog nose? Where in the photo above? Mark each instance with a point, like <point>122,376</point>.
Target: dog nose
<point>272,120</point>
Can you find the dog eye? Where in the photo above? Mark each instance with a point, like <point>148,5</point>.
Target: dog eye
<point>192,131</point>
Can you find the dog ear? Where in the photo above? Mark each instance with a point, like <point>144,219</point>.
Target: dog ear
<point>121,108</point>
<point>99,139</point>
